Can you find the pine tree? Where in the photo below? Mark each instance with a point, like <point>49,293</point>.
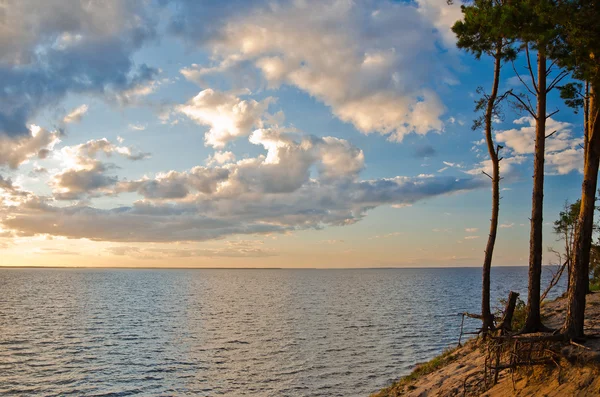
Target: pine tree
<point>482,32</point>
<point>537,31</point>
<point>579,50</point>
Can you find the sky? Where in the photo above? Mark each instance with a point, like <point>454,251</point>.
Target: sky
<point>321,134</point>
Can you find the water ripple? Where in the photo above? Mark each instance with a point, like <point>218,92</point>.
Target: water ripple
<point>100,332</point>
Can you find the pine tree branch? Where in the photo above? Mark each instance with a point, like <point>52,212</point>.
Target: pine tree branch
<point>552,114</point>
<point>530,68</point>
<point>528,108</point>
<point>550,67</point>
<point>557,80</point>
<point>522,81</point>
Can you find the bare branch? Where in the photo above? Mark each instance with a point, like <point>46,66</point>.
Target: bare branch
<point>529,108</point>
<point>502,97</point>
<point>550,134</point>
<point>552,114</point>
<point>557,80</point>
<point>530,68</point>
<point>530,104</point>
<point>523,81</point>
<point>550,67</point>
<point>488,175</point>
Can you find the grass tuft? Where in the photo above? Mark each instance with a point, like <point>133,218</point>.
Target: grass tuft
<point>420,370</point>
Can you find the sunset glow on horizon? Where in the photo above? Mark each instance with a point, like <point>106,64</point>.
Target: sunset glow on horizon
<point>300,134</point>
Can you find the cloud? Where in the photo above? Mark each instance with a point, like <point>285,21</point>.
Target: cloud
<point>177,185</point>
<point>76,114</point>
<point>244,250</point>
<point>454,165</point>
<point>72,184</point>
<point>54,251</point>
<point>425,151</point>
<point>8,186</point>
<point>313,205</point>
<point>228,116</point>
<point>331,242</point>
<point>14,151</point>
<point>563,151</point>
<point>375,64</point>
<point>522,140</point>
<point>285,168</point>
<point>137,127</point>
<point>388,235</point>
<point>471,237</point>
<point>565,162</point>
<point>508,169</point>
<point>220,158</point>
<point>84,173</point>
<point>443,16</point>
<point>52,48</point>
<point>472,230</point>
<point>506,225</point>
<point>271,193</point>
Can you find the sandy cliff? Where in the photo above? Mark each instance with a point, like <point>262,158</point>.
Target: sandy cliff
<point>571,371</point>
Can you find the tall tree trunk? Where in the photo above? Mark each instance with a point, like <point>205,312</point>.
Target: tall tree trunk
<point>580,267</point>
<point>486,313</point>
<point>533,321</point>
<point>587,134</point>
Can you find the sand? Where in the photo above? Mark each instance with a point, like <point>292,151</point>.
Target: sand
<point>576,371</point>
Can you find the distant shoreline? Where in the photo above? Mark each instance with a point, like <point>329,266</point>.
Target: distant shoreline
<point>251,268</point>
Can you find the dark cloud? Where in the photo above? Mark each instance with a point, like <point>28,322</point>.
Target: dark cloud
<point>75,184</point>
<point>313,206</point>
<point>89,176</point>
<point>8,186</point>
<point>16,150</point>
<point>53,48</point>
<point>177,185</point>
<point>270,193</point>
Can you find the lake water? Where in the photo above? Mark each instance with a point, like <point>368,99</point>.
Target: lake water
<point>104,332</point>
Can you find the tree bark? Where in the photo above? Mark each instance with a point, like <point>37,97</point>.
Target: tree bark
<point>506,323</point>
<point>486,313</point>
<point>533,321</point>
<point>587,134</point>
<point>579,274</point>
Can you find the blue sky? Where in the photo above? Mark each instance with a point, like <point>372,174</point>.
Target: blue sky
<point>258,134</point>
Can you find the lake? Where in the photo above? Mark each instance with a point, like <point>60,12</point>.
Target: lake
<point>234,332</point>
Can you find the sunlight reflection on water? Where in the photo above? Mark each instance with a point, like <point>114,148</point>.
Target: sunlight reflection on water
<point>229,332</point>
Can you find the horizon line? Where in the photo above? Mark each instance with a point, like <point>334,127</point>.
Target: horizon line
<point>249,268</point>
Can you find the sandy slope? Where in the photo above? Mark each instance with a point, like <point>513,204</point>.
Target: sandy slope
<point>579,373</point>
